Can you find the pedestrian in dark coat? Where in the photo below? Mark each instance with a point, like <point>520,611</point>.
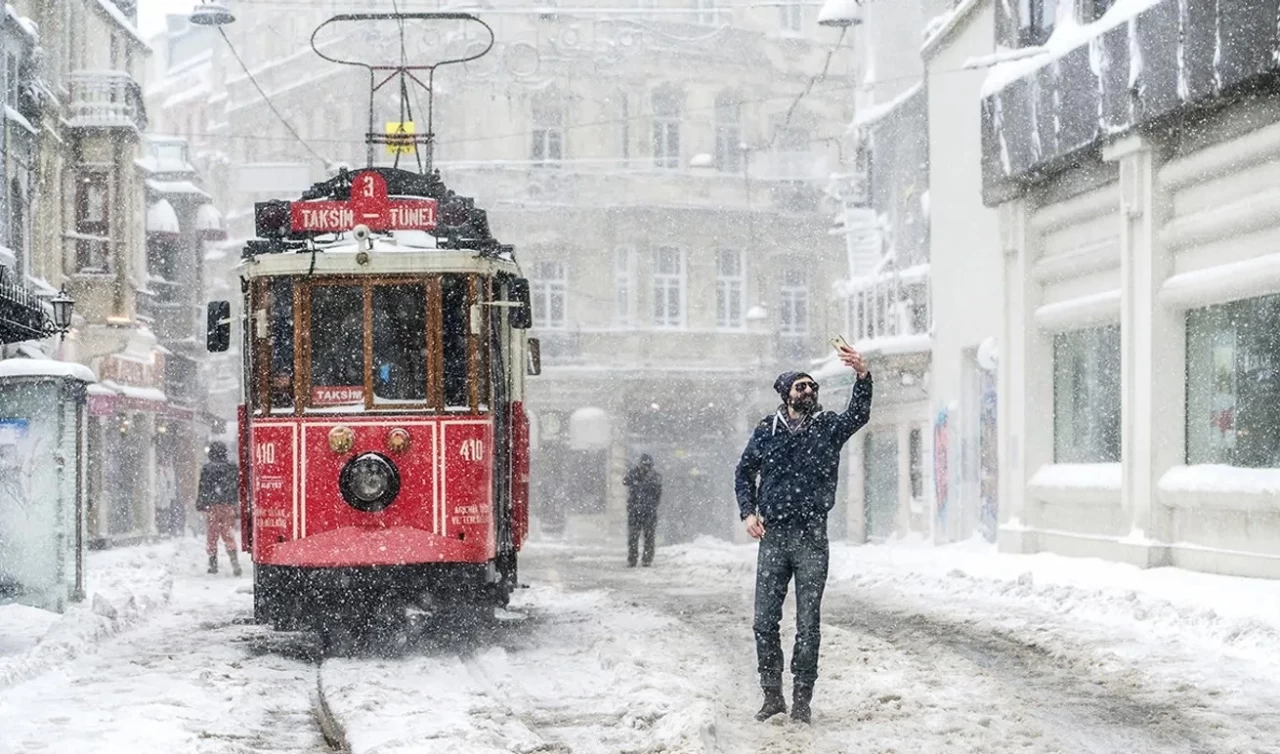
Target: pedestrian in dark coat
<point>644,492</point>
<point>786,485</point>
<point>219,497</point>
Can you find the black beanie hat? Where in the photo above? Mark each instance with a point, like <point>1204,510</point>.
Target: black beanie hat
<point>785,381</point>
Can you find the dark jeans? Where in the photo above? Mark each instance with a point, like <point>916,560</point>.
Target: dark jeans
<point>641,521</point>
<point>800,551</point>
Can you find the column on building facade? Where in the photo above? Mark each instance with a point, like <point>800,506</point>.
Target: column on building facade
<point>1152,390</point>
<point>856,504</point>
<point>1026,382</point>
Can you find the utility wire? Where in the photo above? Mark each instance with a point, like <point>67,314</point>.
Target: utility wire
<point>267,99</point>
<point>822,75</point>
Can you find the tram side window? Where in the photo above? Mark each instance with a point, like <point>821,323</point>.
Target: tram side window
<point>455,310</point>
<point>337,345</point>
<point>280,327</point>
<point>400,343</point>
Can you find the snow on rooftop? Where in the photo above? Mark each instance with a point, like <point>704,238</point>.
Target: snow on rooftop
<point>46,368</point>
<point>123,20</point>
<point>869,116</point>
<point>1068,34</point>
<point>20,119</point>
<point>175,187</point>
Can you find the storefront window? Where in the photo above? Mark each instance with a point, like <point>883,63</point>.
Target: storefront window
<point>1233,383</point>
<point>337,353</point>
<point>400,343</point>
<point>1086,396</point>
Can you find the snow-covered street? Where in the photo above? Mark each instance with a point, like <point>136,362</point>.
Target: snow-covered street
<point>926,649</point>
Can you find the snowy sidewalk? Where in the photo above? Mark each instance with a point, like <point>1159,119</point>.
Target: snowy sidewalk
<point>124,586</point>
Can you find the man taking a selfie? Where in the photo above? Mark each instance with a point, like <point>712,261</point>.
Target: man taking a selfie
<point>786,485</point>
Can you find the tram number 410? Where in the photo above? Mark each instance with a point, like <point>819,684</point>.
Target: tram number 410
<point>472,450</point>
<point>264,453</point>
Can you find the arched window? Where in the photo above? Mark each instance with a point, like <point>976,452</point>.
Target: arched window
<point>728,133</point>
<point>548,128</point>
<point>665,106</point>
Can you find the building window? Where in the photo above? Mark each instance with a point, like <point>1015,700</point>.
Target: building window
<point>548,288</point>
<point>668,287</point>
<point>93,215</point>
<point>794,308</point>
<point>1086,396</point>
<point>1035,21</point>
<point>1092,10</point>
<point>548,131</point>
<point>728,133</point>
<point>793,153</point>
<point>729,286</point>
<point>1233,383</point>
<point>708,14</point>
<point>791,16</point>
<point>666,130</point>
<point>622,285</point>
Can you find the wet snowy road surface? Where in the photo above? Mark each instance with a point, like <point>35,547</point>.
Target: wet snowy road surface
<point>196,678</point>
<point>598,658</point>
<point>613,659</point>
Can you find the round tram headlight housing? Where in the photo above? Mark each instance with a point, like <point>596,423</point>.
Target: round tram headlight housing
<point>369,482</point>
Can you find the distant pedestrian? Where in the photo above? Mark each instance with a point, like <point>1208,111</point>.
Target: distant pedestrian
<point>644,492</point>
<point>786,485</point>
<point>219,499</point>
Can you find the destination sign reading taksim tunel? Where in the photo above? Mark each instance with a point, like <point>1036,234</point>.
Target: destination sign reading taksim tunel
<point>369,205</point>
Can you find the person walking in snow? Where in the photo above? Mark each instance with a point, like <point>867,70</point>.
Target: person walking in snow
<point>786,485</point>
<point>644,491</point>
<point>218,498</point>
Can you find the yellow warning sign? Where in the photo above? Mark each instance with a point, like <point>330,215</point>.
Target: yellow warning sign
<point>400,137</point>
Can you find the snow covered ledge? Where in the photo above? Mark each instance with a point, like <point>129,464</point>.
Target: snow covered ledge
<point>1221,488</point>
<point>1090,484</point>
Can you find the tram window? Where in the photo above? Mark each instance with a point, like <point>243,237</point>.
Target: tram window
<point>280,327</point>
<point>337,352</point>
<point>456,313</point>
<point>400,343</point>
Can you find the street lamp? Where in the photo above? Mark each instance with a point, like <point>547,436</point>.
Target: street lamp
<point>63,305</point>
<point>840,14</point>
<point>211,13</point>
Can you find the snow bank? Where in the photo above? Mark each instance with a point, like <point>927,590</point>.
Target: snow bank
<point>124,587</point>
<point>971,581</point>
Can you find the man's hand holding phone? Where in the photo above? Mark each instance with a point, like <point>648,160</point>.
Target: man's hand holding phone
<point>849,356</point>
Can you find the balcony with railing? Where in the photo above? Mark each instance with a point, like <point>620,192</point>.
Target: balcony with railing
<point>105,99</point>
<point>889,311</point>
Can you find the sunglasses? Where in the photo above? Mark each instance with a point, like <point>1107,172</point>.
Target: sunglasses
<point>803,386</point>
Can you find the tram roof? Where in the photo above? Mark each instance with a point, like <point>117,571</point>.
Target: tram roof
<point>387,257</point>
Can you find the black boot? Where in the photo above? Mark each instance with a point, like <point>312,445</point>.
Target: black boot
<point>774,703</point>
<point>213,563</point>
<point>802,694</point>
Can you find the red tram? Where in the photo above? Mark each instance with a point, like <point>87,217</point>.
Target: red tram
<point>383,438</point>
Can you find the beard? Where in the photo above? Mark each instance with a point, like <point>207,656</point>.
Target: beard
<point>805,404</point>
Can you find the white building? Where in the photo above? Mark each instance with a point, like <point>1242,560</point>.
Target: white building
<point>965,254</point>
<point>1140,360</point>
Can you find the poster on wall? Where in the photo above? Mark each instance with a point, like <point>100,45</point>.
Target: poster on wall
<point>941,472</point>
<point>27,515</point>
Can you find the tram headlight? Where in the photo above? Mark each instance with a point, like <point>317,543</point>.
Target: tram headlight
<point>369,482</point>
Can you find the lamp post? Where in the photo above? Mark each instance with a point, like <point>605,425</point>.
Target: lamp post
<point>211,13</point>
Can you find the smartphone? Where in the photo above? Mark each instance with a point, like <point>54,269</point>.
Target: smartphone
<point>839,342</point>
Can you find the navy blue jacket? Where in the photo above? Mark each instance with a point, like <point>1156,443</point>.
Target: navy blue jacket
<point>791,477</point>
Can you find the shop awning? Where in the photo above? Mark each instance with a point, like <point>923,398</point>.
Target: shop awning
<point>210,224</point>
<point>109,397</point>
<point>161,219</point>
